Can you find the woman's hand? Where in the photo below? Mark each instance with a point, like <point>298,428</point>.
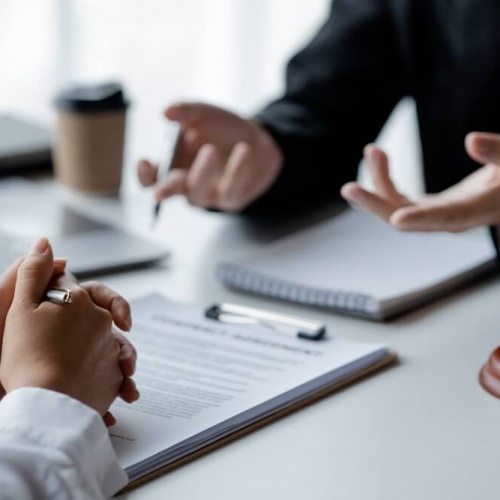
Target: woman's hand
<point>67,348</point>
<point>7,287</point>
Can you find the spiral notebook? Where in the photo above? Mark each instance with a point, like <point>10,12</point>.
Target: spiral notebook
<point>358,265</point>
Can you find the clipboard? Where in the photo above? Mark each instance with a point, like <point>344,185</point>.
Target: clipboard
<point>391,359</point>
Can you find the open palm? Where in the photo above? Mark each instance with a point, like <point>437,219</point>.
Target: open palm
<point>473,202</point>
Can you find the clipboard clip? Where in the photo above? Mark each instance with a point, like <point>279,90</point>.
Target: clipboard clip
<point>281,323</point>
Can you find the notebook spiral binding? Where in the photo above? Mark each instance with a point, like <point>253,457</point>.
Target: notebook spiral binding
<point>240,278</point>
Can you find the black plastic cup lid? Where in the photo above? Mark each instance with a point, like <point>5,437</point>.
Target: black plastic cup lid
<point>91,98</point>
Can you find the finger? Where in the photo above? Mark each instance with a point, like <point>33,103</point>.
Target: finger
<point>204,176</point>
<point>187,113</point>
<point>108,299</point>
<point>453,217</point>
<point>8,279</point>
<point>128,391</point>
<point>109,419</point>
<point>7,288</point>
<point>235,187</point>
<point>8,284</point>
<point>483,147</point>
<point>34,274</point>
<point>59,266</point>
<point>147,173</point>
<point>188,142</point>
<point>489,376</point>
<point>128,354</point>
<point>378,166</point>
<point>174,184</point>
<point>66,280</point>
<point>493,364</point>
<point>370,202</point>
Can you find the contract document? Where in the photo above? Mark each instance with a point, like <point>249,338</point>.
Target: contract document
<point>203,383</point>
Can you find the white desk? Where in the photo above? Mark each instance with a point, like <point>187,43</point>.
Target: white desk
<point>421,430</point>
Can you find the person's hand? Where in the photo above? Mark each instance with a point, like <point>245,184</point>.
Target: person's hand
<point>473,202</point>
<point>67,348</point>
<point>7,287</point>
<point>222,160</point>
<point>489,376</point>
<point>120,311</point>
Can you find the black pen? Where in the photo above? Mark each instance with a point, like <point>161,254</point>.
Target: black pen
<point>166,163</point>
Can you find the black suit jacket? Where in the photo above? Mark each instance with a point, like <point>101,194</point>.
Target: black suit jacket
<point>369,54</point>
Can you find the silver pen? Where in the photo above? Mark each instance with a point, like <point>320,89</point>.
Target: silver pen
<point>59,296</point>
<point>284,323</point>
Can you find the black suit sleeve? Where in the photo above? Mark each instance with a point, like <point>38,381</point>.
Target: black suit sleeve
<point>340,90</point>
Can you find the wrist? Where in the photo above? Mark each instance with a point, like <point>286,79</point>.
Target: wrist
<point>267,145</point>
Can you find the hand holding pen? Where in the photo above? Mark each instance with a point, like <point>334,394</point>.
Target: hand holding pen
<point>223,161</point>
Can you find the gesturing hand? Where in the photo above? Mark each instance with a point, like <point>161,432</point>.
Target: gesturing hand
<point>222,160</point>
<point>473,202</point>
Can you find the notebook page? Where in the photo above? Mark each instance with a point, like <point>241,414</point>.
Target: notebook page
<point>357,253</point>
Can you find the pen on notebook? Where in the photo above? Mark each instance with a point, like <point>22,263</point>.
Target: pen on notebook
<point>165,164</point>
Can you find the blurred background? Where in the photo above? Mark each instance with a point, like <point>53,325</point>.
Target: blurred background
<point>228,52</point>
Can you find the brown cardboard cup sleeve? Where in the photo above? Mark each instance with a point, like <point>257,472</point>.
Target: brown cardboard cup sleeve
<point>90,138</point>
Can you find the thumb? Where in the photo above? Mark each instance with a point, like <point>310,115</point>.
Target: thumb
<point>35,273</point>
<point>483,147</point>
<point>186,113</point>
<point>193,113</point>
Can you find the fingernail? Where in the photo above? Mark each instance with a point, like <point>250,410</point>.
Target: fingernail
<point>137,395</point>
<point>39,247</point>
<point>60,263</point>
<point>127,319</point>
<point>352,199</point>
<point>129,369</point>
<point>484,146</point>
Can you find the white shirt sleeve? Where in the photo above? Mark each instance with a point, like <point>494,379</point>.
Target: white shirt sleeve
<point>54,447</point>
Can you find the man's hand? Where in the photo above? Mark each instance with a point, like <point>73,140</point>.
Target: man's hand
<point>222,160</point>
<point>473,202</point>
<point>489,376</point>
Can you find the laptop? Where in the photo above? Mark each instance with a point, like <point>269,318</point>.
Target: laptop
<point>24,144</point>
<point>91,246</point>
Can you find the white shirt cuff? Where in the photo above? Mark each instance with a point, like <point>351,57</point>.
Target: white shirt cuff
<point>55,421</point>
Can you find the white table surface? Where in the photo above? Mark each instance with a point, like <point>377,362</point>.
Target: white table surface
<point>422,429</point>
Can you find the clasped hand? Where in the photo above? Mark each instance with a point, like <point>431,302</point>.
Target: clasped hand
<point>73,348</point>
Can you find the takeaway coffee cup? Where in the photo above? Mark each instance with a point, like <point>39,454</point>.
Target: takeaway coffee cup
<point>90,138</point>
